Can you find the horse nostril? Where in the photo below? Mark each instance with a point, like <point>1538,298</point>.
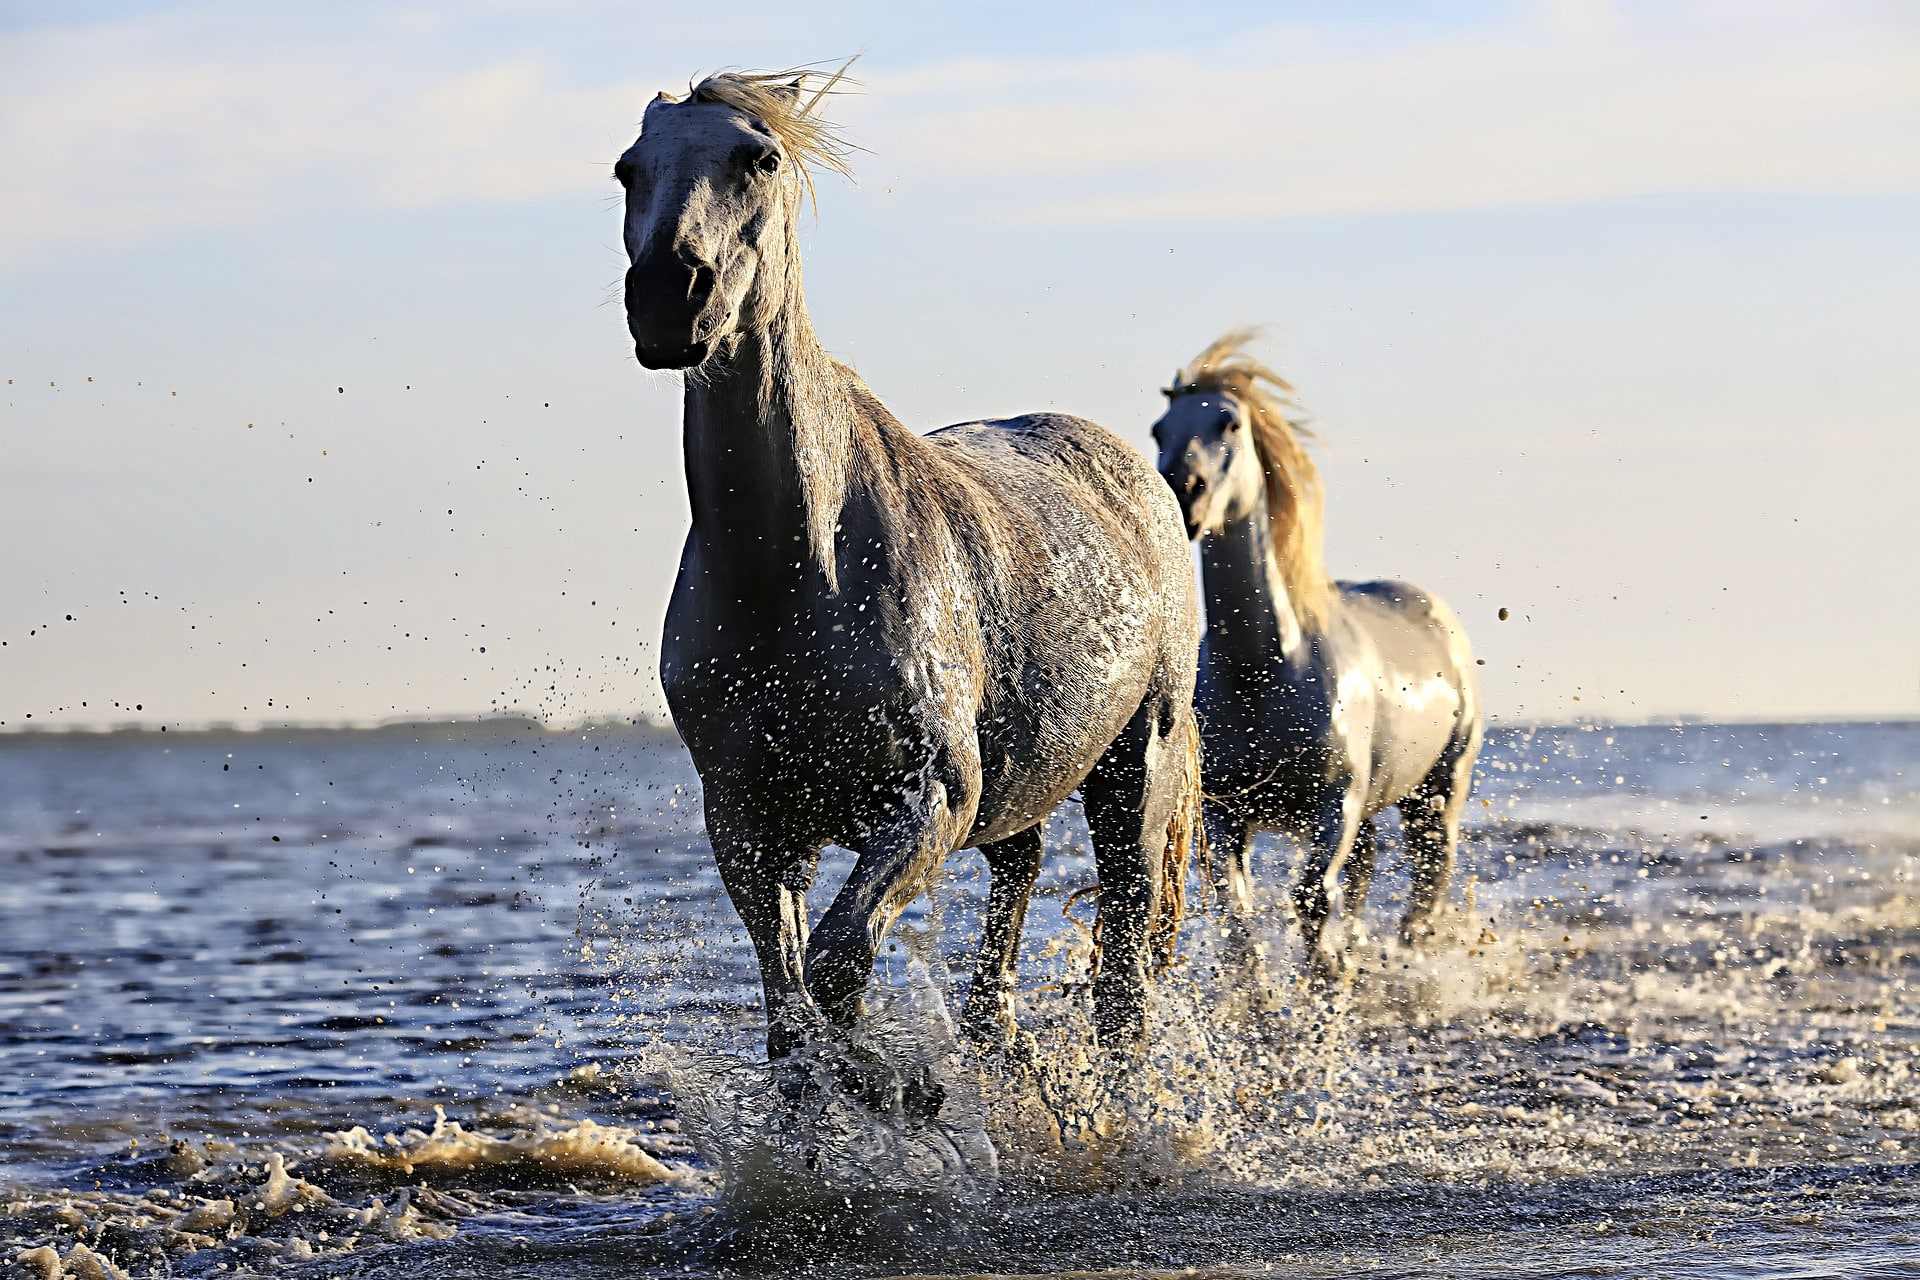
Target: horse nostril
<point>1195,485</point>
<point>702,287</point>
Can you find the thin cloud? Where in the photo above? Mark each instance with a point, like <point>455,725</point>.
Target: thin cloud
<point>113,135</point>
<point>1578,107</point>
<point>207,118</point>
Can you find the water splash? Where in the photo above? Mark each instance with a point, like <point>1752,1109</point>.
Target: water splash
<point>771,1148</point>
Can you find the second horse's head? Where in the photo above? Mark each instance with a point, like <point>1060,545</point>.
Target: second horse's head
<point>1208,455</point>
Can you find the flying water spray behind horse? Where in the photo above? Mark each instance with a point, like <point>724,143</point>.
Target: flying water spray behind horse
<point>902,645</point>
<point>1321,704</point>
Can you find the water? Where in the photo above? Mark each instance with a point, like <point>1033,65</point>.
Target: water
<point>471,1003</point>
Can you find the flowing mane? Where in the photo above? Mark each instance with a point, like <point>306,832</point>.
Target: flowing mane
<point>780,101</point>
<point>1294,493</point>
<point>994,618</point>
<point>773,98</point>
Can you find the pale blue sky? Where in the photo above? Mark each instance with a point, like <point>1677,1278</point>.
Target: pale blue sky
<point>1607,313</point>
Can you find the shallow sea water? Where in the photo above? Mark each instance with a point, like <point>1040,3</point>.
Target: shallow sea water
<point>470,1002</point>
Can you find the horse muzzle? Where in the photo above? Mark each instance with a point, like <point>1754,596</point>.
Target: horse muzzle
<point>686,357</point>
<point>669,310</point>
<point>1191,494</point>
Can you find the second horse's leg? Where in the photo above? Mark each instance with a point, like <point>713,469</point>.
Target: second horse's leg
<point>1336,822</point>
<point>1015,864</point>
<point>1359,876</point>
<point>1229,852</point>
<point>1431,817</point>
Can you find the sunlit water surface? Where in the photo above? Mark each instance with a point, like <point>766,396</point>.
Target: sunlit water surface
<point>472,1003</point>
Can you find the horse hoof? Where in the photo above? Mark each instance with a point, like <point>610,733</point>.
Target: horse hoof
<point>1023,1051</point>
<point>986,1026</point>
<point>1415,934</point>
<point>795,1083</point>
<point>915,1094</point>
<point>1326,971</point>
<point>923,1095</point>
<point>882,1087</point>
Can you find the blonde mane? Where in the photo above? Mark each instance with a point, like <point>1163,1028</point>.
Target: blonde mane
<point>1295,498</point>
<point>773,98</point>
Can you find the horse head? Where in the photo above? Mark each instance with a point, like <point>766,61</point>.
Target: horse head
<point>713,186</point>
<point>1208,455</point>
<point>1232,442</point>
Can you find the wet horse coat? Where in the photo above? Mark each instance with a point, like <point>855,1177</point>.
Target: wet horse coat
<point>898,644</point>
<point>1321,704</point>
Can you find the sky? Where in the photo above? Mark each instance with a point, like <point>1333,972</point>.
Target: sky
<point>320,405</point>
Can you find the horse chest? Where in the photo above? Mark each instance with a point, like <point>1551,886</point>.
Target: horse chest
<point>1272,735</point>
<point>826,736</point>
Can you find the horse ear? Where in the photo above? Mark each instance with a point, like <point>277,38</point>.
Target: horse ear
<point>789,93</point>
<point>660,99</point>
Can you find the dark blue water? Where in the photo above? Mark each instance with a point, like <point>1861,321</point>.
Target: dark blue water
<point>1671,1028</point>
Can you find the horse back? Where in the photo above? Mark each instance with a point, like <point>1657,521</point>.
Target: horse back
<point>1427,703</point>
<point>1064,470</point>
<point>1084,590</point>
<point>1053,499</point>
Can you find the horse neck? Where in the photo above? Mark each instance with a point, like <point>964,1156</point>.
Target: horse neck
<point>1251,620</point>
<point>769,440</point>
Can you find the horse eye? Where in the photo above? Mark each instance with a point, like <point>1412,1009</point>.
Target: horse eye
<point>769,162</point>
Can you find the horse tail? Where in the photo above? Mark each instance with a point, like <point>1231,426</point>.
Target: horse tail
<point>1185,829</point>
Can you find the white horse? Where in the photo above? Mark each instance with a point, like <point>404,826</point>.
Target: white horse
<point>1320,703</point>
<point>898,644</point>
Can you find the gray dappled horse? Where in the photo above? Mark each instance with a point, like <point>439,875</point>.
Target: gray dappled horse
<point>1320,703</point>
<point>898,644</point>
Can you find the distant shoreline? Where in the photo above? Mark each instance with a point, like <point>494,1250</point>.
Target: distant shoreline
<point>439,730</point>
<point>505,726</point>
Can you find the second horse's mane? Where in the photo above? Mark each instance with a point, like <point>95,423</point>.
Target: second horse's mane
<point>1295,497</point>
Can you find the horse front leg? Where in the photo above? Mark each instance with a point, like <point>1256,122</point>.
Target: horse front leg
<point>895,867</point>
<point>768,887</point>
<point>1359,874</point>
<point>1335,823</point>
<point>1014,863</point>
<point>1229,854</point>
<point>1230,851</point>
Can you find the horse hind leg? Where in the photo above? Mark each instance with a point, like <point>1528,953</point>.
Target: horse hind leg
<point>1359,877</point>
<point>1431,818</point>
<point>1014,863</point>
<point>1132,797</point>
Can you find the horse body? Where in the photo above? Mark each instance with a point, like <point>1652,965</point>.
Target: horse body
<point>897,644</point>
<point>1320,704</point>
<point>975,634</point>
